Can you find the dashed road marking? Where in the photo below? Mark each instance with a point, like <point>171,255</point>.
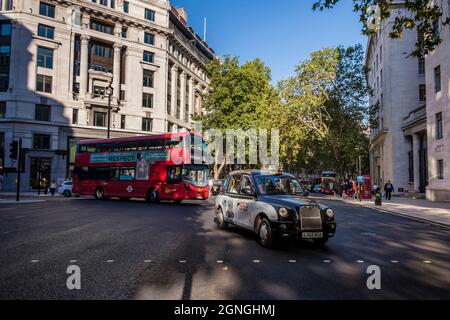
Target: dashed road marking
<point>256,261</point>
<point>225,268</point>
<point>34,261</point>
<point>110,261</point>
<point>73,261</point>
<point>182,261</point>
<point>427,261</point>
<point>395,261</point>
<point>292,261</point>
<point>327,261</point>
<point>360,261</point>
<point>220,261</point>
<point>147,261</point>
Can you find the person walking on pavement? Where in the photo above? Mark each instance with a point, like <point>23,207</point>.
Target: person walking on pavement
<point>388,188</point>
<point>53,187</point>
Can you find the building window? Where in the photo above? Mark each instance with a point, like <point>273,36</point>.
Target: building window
<point>44,83</point>
<point>122,121</point>
<point>147,100</point>
<point>149,56</point>
<point>124,33</point>
<point>42,112</point>
<point>439,127</point>
<point>440,169</point>
<point>421,65</point>
<point>99,119</point>
<point>8,5</point>
<point>148,78</point>
<point>46,31</point>
<point>146,124</point>
<point>5,29</point>
<point>149,38</point>
<point>102,27</point>
<point>2,109</point>
<point>149,15</point>
<point>74,116</point>
<point>437,79</point>
<point>103,2</point>
<point>113,4</point>
<point>45,58</point>
<point>2,149</point>
<point>46,9</point>
<point>126,6</point>
<point>99,91</point>
<point>76,87</point>
<point>122,95</point>
<point>41,141</point>
<point>422,92</point>
<point>436,29</point>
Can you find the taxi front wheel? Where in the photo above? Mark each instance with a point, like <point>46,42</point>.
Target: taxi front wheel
<point>320,242</point>
<point>265,234</point>
<point>220,220</point>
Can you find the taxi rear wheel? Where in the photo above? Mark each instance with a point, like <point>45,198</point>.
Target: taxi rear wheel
<point>99,194</point>
<point>220,221</point>
<point>265,234</point>
<point>153,196</point>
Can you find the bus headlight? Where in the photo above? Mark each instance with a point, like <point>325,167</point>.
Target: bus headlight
<point>283,212</point>
<point>330,213</point>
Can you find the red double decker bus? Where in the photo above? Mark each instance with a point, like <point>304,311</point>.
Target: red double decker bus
<point>159,167</point>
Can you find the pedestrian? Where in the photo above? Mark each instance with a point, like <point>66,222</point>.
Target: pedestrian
<point>53,187</point>
<point>388,188</point>
<point>2,179</point>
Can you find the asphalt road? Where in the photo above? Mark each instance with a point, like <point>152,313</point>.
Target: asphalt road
<point>135,250</point>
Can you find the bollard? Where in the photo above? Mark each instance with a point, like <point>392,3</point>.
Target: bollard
<point>378,201</point>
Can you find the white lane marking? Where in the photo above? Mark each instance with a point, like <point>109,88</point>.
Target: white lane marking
<point>110,261</point>
<point>360,261</point>
<point>292,261</point>
<point>34,261</point>
<point>256,261</point>
<point>327,261</point>
<point>395,261</point>
<point>182,261</point>
<point>73,261</point>
<point>219,261</point>
<point>427,261</point>
<point>147,261</point>
<point>225,268</point>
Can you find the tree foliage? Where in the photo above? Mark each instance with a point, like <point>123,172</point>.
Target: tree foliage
<point>324,123</point>
<point>420,15</point>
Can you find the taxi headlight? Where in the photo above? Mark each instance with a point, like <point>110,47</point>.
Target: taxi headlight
<point>330,213</point>
<point>283,212</point>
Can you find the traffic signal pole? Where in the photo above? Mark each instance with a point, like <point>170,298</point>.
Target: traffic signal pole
<point>19,167</point>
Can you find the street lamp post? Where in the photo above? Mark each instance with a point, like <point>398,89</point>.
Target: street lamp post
<point>109,92</point>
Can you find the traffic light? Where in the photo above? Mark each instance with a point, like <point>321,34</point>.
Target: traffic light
<point>14,150</point>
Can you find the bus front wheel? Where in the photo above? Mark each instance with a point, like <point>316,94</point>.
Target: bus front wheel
<point>153,196</point>
<point>99,194</point>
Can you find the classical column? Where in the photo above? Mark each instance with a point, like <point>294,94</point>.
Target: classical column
<point>416,161</point>
<point>84,65</point>
<point>174,71</point>
<point>191,98</point>
<point>183,95</point>
<point>116,71</point>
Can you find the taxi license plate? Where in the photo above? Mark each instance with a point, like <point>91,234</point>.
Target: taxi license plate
<point>312,235</point>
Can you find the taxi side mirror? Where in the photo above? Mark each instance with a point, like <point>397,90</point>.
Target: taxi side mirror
<point>305,193</point>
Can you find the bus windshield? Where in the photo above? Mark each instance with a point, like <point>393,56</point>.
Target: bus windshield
<point>196,175</point>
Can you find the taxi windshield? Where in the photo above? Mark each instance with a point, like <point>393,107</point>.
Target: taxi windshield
<point>278,184</point>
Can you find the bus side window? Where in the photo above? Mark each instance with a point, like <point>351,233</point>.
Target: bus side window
<point>114,174</point>
<point>127,174</point>
<point>173,174</point>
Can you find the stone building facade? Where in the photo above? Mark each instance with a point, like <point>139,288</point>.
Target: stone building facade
<point>438,120</point>
<point>398,148</point>
<point>59,57</point>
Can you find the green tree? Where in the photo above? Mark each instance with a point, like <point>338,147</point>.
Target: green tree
<point>421,15</point>
<point>238,98</point>
<point>324,122</point>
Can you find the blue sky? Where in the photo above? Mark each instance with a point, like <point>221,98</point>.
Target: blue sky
<point>281,32</point>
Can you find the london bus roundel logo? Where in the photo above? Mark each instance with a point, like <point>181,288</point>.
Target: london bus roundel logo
<point>130,189</point>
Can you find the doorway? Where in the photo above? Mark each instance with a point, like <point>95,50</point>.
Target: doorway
<point>40,172</point>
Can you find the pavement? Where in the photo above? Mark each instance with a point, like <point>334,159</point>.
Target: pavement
<point>419,209</point>
<point>135,250</point>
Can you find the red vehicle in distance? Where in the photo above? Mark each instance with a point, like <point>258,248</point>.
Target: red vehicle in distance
<point>160,167</point>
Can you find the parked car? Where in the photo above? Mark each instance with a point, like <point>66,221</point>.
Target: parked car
<point>65,188</point>
<point>215,188</point>
<point>272,205</point>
